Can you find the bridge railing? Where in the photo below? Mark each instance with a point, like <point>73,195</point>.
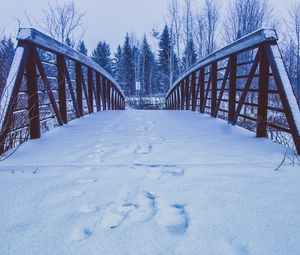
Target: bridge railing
<point>50,84</point>
<point>245,83</point>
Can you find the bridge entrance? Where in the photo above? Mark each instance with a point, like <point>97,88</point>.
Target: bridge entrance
<point>245,83</point>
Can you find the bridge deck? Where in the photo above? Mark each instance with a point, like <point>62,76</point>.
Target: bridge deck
<point>149,182</point>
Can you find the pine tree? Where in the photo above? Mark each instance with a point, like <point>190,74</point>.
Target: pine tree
<point>190,56</point>
<point>168,62</point>
<point>147,68</point>
<point>69,42</point>
<point>101,55</point>
<point>118,66</point>
<point>7,52</point>
<point>128,68</point>
<point>82,48</point>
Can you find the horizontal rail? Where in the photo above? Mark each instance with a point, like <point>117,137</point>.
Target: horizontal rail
<point>50,44</point>
<point>243,44</point>
<point>254,71</point>
<point>68,87</point>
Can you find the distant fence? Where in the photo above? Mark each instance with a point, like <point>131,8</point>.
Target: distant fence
<point>50,84</point>
<point>245,83</point>
<point>146,102</point>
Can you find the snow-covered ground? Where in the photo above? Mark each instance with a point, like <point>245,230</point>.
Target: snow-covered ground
<point>149,182</point>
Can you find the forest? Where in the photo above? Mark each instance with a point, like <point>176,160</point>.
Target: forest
<point>191,32</point>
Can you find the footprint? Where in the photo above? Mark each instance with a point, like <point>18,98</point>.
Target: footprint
<point>88,168</point>
<point>157,139</point>
<point>174,219</point>
<point>79,234</point>
<point>89,209</point>
<point>87,181</point>
<point>144,207</point>
<point>112,217</point>
<point>76,193</point>
<point>143,149</point>
<point>173,170</point>
<point>142,128</point>
<point>154,172</point>
<point>158,171</point>
<point>238,247</point>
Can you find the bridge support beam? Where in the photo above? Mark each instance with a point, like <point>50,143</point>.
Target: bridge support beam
<point>33,97</point>
<point>78,71</point>
<point>214,86</point>
<point>263,87</point>
<point>90,89</point>
<point>62,97</point>
<point>232,87</point>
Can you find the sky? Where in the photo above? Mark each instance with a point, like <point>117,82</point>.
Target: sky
<point>107,20</point>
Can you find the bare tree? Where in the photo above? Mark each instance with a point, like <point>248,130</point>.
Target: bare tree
<point>295,44</point>
<point>211,17</point>
<point>188,18</point>
<point>175,25</point>
<point>246,16</point>
<point>62,19</point>
<point>200,34</point>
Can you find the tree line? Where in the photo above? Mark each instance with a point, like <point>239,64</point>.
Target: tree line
<point>191,32</point>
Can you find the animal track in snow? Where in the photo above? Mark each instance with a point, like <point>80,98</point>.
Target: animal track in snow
<point>174,219</point>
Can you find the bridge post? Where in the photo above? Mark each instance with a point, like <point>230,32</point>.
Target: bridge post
<point>193,85</point>
<point>232,87</point>
<point>263,87</point>
<point>177,89</point>
<point>108,94</point>
<point>214,86</point>
<point>33,96</point>
<point>98,92</point>
<point>187,92</point>
<point>112,98</point>
<point>182,98</point>
<point>62,97</point>
<point>201,85</point>
<point>78,71</point>
<point>104,94</point>
<point>90,89</point>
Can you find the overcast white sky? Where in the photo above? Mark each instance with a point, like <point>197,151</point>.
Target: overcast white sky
<point>106,19</point>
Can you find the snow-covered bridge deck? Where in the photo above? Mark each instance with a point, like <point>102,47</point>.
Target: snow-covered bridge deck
<point>149,182</point>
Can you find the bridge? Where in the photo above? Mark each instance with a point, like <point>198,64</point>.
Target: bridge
<point>195,178</point>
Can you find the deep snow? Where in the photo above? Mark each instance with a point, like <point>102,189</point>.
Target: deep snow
<point>149,182</point>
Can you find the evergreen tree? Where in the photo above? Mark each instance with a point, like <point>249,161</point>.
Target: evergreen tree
<point>118,66</point>
<point>7,52</point>
<point>69,42</point>
<point>147,68</point>
<point>128,67</point>
<point>101,55</point>
<point>190,56</point>
<point>168,61</point>
<point>82,48</point>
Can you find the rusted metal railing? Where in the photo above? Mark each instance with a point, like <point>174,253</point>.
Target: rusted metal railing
<point>245,83</point>
<point>50,84</point>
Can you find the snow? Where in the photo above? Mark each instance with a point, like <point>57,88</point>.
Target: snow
<point>287,86</point>
<point>149,182</point>
<point>270,33</point>
<point>11,79</point>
